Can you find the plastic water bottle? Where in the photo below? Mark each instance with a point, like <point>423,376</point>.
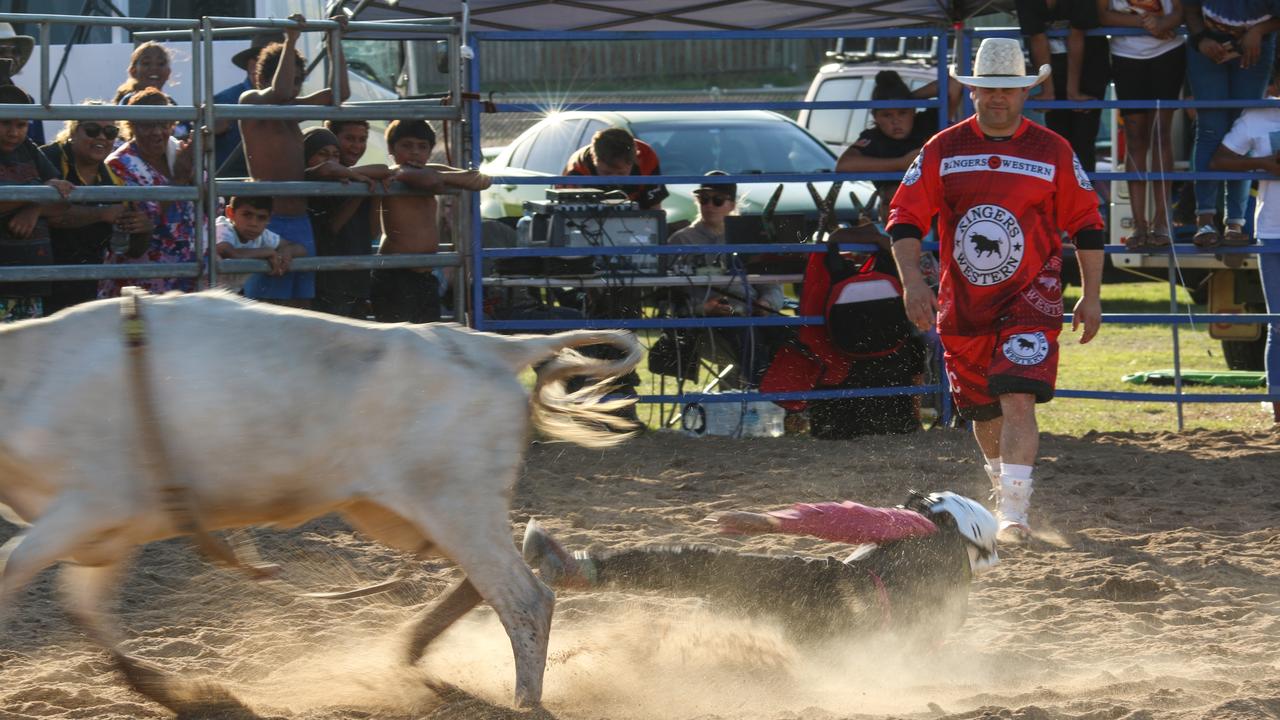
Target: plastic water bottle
<point>119,240</point>
<point>524,231</point>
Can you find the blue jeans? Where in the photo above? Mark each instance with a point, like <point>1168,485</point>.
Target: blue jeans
<point>1228,81</point>
<point>1269,268</point>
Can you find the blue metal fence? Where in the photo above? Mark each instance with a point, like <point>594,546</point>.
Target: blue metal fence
<point>964,45</point>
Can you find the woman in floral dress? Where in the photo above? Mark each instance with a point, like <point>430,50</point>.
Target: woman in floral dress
<point>153,158</point>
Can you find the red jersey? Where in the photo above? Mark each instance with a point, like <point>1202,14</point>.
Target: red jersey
<point>1001,205</point>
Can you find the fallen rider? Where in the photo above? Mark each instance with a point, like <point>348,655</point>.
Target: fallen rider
<point>910,573</point>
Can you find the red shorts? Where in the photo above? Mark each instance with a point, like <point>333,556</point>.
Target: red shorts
<point>980,368</point>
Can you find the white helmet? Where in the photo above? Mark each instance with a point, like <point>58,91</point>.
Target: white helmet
<point>974,522</point>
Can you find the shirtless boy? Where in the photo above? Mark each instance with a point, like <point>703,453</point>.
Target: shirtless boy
<point>409,224</point>
<point>273,148</point>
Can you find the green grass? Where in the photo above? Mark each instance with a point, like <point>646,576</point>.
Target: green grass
<point>1122,349</point>
<point>1117,351</point>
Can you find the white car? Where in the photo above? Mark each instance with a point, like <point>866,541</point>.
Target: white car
<point>687,143</point>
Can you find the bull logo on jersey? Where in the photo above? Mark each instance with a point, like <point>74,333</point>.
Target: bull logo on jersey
<point>1081,176</point>
<point>988,245</point>
<point>913,172</point>
<point>1026,348</point>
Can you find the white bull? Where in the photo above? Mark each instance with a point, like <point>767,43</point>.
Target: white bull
<point>275,416</point>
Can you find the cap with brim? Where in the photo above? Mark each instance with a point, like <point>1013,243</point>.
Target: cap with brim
<point>707,186</point>
<point>1000,64</point>
<point>24,43</point>
<point>260,41</point>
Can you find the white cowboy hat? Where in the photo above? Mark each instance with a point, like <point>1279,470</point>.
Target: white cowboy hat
<point>24,43</point>
<point>999,64</point>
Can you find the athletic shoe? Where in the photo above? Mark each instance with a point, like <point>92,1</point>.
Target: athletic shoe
<point>1013,508</point>
<point>543,553</point>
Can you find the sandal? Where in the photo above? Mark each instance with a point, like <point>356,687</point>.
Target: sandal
<point>1137,242</point>
<point>1206,237</point>
<point>1233,237</point>
<point>1160,239</point>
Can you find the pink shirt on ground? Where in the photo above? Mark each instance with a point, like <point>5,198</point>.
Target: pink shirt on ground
<point>853,523</point>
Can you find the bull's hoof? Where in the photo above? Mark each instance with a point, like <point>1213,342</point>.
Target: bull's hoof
<point>187,698</point>
<point>456,702</point>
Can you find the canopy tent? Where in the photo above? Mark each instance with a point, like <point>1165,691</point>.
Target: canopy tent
<point>660,15</point>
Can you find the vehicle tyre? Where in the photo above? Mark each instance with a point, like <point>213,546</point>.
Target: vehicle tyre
<point>1199,293</point>
<point>1245,354</point>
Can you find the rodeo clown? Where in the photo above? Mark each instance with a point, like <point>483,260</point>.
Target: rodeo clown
<point>910,574</point>
<point>1003,189</point>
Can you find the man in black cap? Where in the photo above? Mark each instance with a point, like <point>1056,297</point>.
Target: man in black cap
<point>228,150</point>
<point>749,349</point>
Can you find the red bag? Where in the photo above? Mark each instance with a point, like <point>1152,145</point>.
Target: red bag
<point>865,318</point>
<point>811,360</point>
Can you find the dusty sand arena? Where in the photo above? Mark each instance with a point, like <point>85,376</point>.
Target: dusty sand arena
<point>1154,592</point>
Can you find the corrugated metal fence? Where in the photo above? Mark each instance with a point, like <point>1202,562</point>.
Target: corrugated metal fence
<point>586,62</point>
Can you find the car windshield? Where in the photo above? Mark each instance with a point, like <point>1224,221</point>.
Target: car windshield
<point>736,147</point>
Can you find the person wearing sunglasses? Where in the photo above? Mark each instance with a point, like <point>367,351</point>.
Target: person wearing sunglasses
<point>81,232</point>
<point>749,349</point>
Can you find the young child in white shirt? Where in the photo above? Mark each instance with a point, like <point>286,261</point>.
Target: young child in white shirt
<point>1253,144</point>
<point>243,233</point>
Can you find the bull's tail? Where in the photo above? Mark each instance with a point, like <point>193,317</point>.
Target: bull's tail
<point>583,417</point>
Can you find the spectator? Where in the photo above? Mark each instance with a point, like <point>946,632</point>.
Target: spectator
<point>16,49</point>
<point>409,224</point>
<point>343,225</point>
<point>1147,67</point>
<point>24,233</point>
<point>1253,144</point>
<point>149,67</point>
<point>893,141</point>
<point>1229,57</point>
<point>615,152</point>
<point>243,233</point>
<point>748,348</point>
<point>153,157</point>
<point>274,150</point>
<point>81,232</point>
<point>1081,67</point>
<point>228,148</point>
<point>911,576</point>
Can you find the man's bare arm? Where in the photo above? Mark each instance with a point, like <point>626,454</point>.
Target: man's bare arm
<point>852,160</point>
<point>920,302</point>
<point>284,87</point>
<point>1225,159</point>
<point>338,58</point>
<point>1088,310</point>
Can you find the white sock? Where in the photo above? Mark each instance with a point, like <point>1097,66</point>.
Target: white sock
<point>993,467</point>
<point>1015,493</point>
<point>1016,472</point>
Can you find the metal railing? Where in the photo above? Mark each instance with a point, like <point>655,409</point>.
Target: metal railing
<point>207,190</point>
<point>964,54</point>
<point>464,135</point>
